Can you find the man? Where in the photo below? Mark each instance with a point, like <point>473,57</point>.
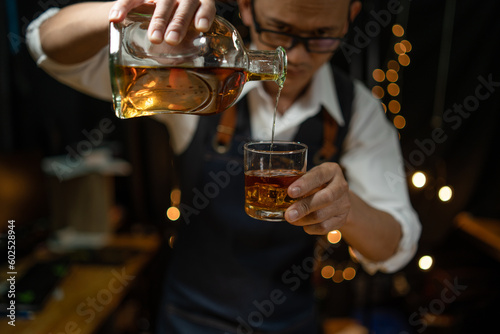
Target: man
<point>230,273</point>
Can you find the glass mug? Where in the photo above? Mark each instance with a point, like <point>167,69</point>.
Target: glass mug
<point>270,167</point>
<point>203,75</point>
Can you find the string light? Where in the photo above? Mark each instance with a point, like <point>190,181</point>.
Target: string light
<point>401,48</point>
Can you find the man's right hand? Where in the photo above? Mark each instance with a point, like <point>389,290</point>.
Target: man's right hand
<point>171,18</point>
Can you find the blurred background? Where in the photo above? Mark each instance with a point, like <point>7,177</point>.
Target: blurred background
<point>99,232</point>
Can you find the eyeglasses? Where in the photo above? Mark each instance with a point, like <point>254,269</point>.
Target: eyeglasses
<point>288,41</point>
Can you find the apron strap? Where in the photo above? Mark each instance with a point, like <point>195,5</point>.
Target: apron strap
<point>330,132</point>
<point>227,124</point>
<point>225,130</point>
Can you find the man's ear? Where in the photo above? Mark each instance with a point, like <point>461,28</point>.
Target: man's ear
<point>355,8</point>
<point>245,12</point>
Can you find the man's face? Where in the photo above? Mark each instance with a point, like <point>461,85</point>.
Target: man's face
<point>305,18</point>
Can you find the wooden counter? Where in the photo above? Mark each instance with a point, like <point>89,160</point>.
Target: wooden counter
<point>485,230</point>
<point>88,294</point>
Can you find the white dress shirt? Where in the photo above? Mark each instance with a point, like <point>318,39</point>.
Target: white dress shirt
<point>372,157</point>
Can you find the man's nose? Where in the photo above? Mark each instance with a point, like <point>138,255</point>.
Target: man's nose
<point>298,53</point>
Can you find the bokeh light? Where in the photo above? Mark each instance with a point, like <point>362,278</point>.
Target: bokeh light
<point>175,196</point>
<point>393,89</point>
<point>418,179</point>
<point>327,272</point>
<point>378,92</point>
<point>378,75</point>
<point>394,106</point>
<point>349,273</point>
<point>393,65</point>
<point>425,262</point>
<point>399,48</point>
<point>399,122</point>
<point>398,30</point>
<point>404,60</point>
<point>338,277</point>
<point>445,193</point>
<point>173,213</point>
<point>407,45</point>
<point>334,236</point>
<point>392,75</point>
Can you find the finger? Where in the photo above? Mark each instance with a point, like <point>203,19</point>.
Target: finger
<point>324,220</point>
<point>178,26</point>
<point>317,177</point>
<point>317,207</point>
<point>160,20</point>
<point>119,10</point>
<point>334,216</point>
<point>205,15</point>
<point>325,227</point>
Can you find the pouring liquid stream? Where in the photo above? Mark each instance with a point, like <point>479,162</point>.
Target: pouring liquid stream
<point>274,124</point>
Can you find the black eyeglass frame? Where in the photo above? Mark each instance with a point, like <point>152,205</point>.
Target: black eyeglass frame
<point>295,38</point>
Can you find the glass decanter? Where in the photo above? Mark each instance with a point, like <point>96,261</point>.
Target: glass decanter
<point>203,75</point>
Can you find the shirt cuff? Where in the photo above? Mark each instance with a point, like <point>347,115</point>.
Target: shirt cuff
<point>33,35</point>
<point>410,230</point>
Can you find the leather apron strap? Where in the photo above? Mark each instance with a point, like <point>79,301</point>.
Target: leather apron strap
<point>225,130</point>
<point>227,125</point>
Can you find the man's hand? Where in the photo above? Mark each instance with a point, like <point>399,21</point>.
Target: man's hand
<point>171,18</point>
<point>325,204</point>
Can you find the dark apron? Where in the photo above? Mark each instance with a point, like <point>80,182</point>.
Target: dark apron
<point>231,273</point>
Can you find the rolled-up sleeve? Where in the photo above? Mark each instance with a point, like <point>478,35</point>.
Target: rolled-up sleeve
<point>90,77</point>
<point>374,169</point>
